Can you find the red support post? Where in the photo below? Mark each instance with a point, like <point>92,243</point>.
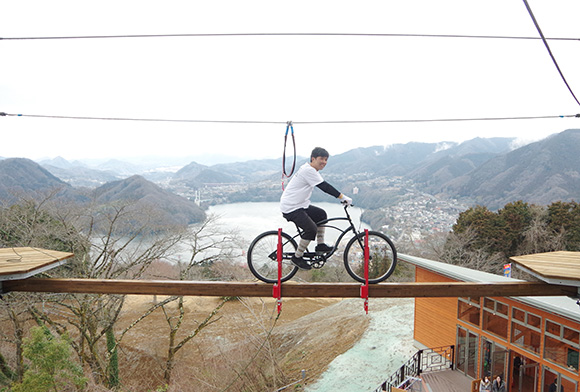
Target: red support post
<point>277,289</point>
<point>364,290</point>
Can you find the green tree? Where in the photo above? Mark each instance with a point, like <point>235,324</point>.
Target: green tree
<point>484,223</point>
<point>518,228</point>
<point>51,367</point>
<point>515,218</point>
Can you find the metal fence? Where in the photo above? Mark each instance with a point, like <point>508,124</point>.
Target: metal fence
<point>427,360</point>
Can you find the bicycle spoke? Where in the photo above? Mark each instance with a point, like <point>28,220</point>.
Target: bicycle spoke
<point>262,258</point>
<point>382,258</point>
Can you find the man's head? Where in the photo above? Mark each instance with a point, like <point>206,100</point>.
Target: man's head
<point>318,158</point>
<point>318,152</point>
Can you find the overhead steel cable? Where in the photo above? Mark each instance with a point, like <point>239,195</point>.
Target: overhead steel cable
<point>409,35</point>
<point>293,122</point>
<point>544,39</point>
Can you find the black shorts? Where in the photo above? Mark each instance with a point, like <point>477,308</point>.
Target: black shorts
<point>306,218</point>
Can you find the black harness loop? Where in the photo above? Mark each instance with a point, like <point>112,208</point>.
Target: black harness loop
<point>284,173</point>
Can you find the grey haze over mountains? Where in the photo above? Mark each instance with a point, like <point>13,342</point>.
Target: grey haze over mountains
<point>487,171</point>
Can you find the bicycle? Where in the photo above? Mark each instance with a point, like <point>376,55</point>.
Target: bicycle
<point>262,254</point>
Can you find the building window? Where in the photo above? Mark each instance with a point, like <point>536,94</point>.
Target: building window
<point>466,355</point>
<point>495,318</point>
<point>562,345</point>
<point>526,331</point>
<point>468,310</point>
<point>556,382</point>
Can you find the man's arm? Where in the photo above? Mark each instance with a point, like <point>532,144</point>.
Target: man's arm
<point>327,188</point>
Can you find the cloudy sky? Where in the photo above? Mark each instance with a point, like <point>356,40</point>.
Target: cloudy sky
<point>260,82</point>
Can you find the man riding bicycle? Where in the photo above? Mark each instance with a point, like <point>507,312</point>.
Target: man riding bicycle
<point>295,204</point>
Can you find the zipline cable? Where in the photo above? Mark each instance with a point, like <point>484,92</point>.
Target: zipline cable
<point>408,35</point>
<point>549,50</point>
<point>4,114</point>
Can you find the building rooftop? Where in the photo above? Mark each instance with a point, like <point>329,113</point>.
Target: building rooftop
<point>24,262</point>
<point>560,305</point>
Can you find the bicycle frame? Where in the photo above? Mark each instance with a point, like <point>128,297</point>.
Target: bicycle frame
<point>324,223</point>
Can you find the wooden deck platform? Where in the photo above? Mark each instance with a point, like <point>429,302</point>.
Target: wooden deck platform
<point>446,381</point>
<point>22,263</point>
<point>561,267</point>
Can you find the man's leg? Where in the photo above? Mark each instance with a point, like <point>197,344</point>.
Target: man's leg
<point>318,214</point>
<point>303,221</point>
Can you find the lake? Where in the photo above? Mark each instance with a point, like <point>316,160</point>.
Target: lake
<point>251,219</point>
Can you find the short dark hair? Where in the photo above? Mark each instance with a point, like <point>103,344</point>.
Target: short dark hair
<point>319,152</point>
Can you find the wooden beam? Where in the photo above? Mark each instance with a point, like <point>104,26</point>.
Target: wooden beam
<point>255,289</point>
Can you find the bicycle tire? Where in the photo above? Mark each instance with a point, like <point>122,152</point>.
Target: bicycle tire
<point>382,257</point>
<point>262,259</point>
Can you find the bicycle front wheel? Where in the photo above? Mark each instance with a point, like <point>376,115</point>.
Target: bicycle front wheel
<point>262,257</point>
<point>382,257</point>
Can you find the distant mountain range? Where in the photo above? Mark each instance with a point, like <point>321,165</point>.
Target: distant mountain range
<point>539,173</point>
<point>24,179</point>
<point>145,194</point>
<point>487,171</point>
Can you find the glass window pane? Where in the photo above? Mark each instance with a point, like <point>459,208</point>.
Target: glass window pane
<point>475,300</point>
<point>489,303</point>
<point>572,359</point>
<point>472,340</point>
<point>571,335</point>
<point>495,324</point>
<point>553,328</point>
<point>534,321</point>
<point>550,378</point>
<point>501,308</point>
<point>461,349</point>
<point>561,353</point>
<point>468,313</point>
<point>519,315</point>
<point>567,384</point>
<point>526,338</point>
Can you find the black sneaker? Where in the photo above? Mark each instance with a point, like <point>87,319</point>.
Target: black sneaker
<point>323,248</point>
<point>300,263</point>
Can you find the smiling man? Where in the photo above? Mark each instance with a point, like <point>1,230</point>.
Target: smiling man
<point>295,204</point>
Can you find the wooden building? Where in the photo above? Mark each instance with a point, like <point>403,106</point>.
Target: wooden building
<point>531,342</point>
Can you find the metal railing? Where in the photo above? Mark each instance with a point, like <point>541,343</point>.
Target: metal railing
<point>427,360</point>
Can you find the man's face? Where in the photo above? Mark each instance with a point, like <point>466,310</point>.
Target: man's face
<point>319,162</point>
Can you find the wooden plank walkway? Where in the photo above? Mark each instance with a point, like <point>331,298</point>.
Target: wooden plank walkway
<point>446,381</point>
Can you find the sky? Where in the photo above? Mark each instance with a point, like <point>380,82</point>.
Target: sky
<point>261,82</point>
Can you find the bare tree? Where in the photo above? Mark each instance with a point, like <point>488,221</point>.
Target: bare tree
<point>109,242</point>
<point>208,246</point>
<point>538,237</point>
<point>460,250</point>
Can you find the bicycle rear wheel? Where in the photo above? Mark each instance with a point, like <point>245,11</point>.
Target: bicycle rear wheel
<point>262,258</point>
<point>382,257</point>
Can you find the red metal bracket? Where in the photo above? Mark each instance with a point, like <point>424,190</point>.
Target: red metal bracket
<point>277,289</point>
<point>364,290</point>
